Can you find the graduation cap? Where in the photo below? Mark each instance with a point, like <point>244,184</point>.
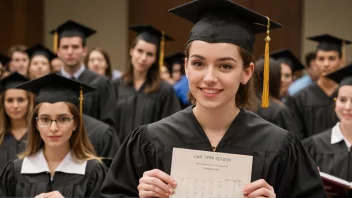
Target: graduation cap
<point>223,21</point>
<point>177,57</point>
<point>151,34</point>
<point>54,88</point>
<point>327,42</point>
<point>12,81</point>
<point>69,29</point>
<point>289,58</point>
<point>342,76</point>
<point>4,59</point>
<point>40,49</point>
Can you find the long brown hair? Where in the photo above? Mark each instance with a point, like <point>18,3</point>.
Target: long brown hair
<point>245,96</point>
<point>108,70</point>
<point>153,79</point>
<point>5,121</point>
<point>80,145</point>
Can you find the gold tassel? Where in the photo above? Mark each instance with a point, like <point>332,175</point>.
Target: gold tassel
<point>343,53</point>
<point>55,42</point>
<point>81,106</point>
<point>161,56</point>
<point>265,95</point>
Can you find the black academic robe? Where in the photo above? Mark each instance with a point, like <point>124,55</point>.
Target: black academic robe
<point>102,136</point>
<point>278,156</point>
<point>10,148</point>
<point>313,110</point>
<point>98,104</point>
<point>279,115</point>
<point>15,184</point>
<point>135,108</point>
<point>334,159</point>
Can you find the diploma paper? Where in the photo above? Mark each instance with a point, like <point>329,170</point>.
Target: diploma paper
<point>203,174</point>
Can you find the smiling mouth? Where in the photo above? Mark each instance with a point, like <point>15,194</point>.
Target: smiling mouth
<point>210,91</point>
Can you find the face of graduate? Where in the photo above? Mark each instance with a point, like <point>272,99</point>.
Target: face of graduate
<point>328,61</point>
<point>176,72</point>
<point>286,79</point>
<point>143,56</point>
<point>71,51</point>
<point>97,62</point>
<point>58,133</point>
<point>343,106</point>
<point>19,63</point>
<point>57,64</point>
<point>214,72</point>
<point>39,66</point>
<point>16,103</point>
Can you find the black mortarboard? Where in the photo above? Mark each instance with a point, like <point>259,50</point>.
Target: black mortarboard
<point>286,56</point>
<point>4,59</point>
<point>153,35</point>
<point>54,88</point>
<point>328,42</point>
<point>177,57</point>
<point>342,76</point>
<point>69,29</point>
<point>223,21</point>
<point>39,49</point>
<point>12,81</point>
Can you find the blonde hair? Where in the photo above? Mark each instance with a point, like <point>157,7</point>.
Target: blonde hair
<point>5,121</point>
<point>80,145</point>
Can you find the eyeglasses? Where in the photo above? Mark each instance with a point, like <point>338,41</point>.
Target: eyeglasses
<point>61,122</point>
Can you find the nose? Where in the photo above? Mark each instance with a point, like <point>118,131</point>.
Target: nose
<point>144,56</point>
<point>348,105</point>
<point>15,104</point>
<point>210,75</point>
<point>69,50</point>
<point>326,63</point>
<point>53,126</point>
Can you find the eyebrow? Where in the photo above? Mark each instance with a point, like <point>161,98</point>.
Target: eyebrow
<point>46,115</point>
<point>220,59</point>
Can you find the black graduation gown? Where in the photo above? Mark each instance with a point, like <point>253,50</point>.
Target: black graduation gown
<point>278,156</point>
<point>102,136</point>
<point>279,115</point>
<point>135,108</point>
<point>15,184</point>
<point>334,159</point>
<point>313,110</point>
<point>98,104</point>
<point>10,148</point>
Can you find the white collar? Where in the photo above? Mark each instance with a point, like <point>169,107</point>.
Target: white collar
<point>337,136</point>
<point>37,163</point>
<point>76,75</point>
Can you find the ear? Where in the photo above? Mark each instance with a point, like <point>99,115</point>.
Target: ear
<point>186,67</point>
<point>247,73</point>
<point>131,51</point>
<point>85,49</point>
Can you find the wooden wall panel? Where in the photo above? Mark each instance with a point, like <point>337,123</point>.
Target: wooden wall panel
<point>22,22</point>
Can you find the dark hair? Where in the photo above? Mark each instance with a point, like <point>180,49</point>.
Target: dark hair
<point>330,47</point>
<point>274,76</point>
<point>153,79</point>
<point>16,48</point>
<point>108,72</point>
<point>245,96</point>
<point>309,57</point>
<point>84,41</point>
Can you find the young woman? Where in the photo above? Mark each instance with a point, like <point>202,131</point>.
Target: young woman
<point>98,61</point>
<point>219,68</point>
<point>142,97</point>
<point>289,64</point>
<point>59,160</point>
<point>40,61</point>
<point>16,106</point>
<point>331,149</point>
<point>276,113</point>
<point>3,65</point>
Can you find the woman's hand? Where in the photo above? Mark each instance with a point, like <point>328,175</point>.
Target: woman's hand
<point>156,183</point>
<point>53,194</point>
<point>259,188</point>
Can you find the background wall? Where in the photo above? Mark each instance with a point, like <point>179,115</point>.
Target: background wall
<point>108,17</point>
<point>327,16</point>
